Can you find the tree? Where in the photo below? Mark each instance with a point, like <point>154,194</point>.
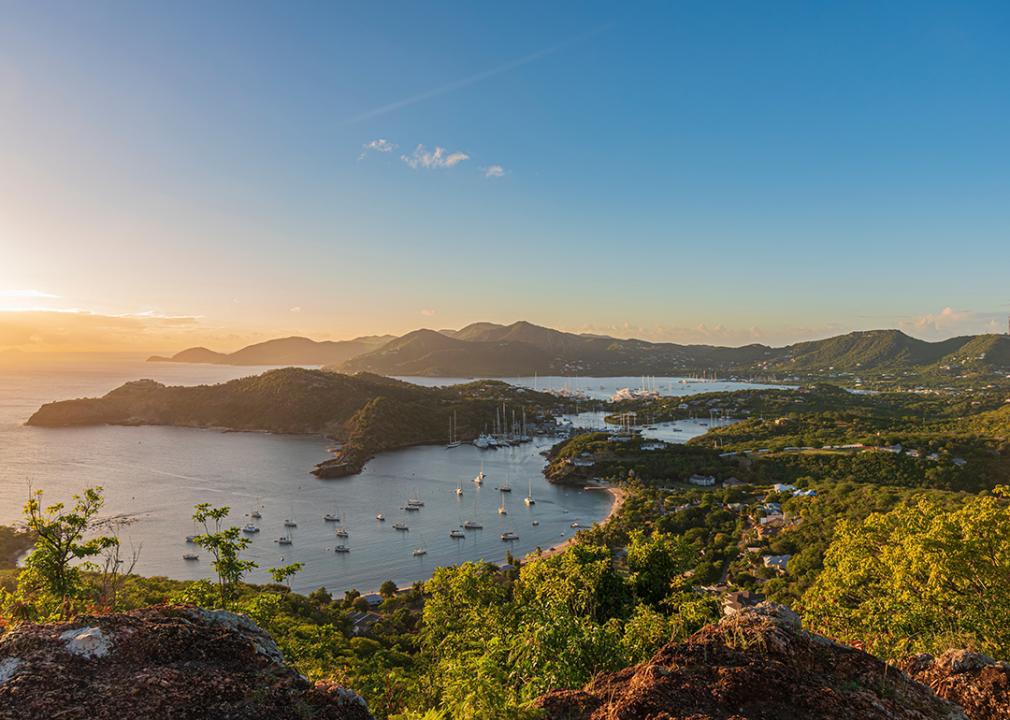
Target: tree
<point>388,589</point>
<point>224,544</point>
<point>654,561</point>
<point>282,575</point>
<point>51,586</point>
<point>918,579</point>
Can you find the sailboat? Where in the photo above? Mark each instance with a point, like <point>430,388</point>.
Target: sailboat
<point>456,534</point>
<point>529,498</point>
<point>341,531</point>
<point>420,549</point>
<point>505,487</point>
<point>473,524</point>
<point>284,539</point>
<point>256,514</point>
<point>501,506</point>
<point>459,488</point>
<point>453,442</point>
<point>480,476</point>
<point>341,548</point>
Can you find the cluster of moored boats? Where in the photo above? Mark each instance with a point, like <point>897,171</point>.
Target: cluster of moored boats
<point>413,505</point>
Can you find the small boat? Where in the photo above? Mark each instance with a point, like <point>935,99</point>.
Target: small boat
<point>536,523</point>
<point>459,488</point>
<point>505,487</point>
<point>290,524</point>
<point>380,517</point>
<point>575,524</point>
<point>411,508</point>
<point>509,536</point>
<point>501,506</point>
<point>456,533</point>
<point>472,525</point>
<point>401,527</point>
<point>250,529</point>
<point>341,549</point>
<point>418,552</point>
<point>190,557</point>
<point>330,517</point>
<point>191,539</point>
<point>256,514</point>
<point>529,498</point>
<point>415,501</point>
<point>284,539</point>
<point>480,476</point>
<point>341,533</point>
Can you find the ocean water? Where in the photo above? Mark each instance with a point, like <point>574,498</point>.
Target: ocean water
<point>153,476</point>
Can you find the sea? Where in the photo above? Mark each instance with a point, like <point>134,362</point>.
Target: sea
<point>153,476</point>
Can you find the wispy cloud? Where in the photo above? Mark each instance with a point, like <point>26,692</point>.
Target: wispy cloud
<point>428,312</point>
<point>380,145</point>
<point>22,294</point>
<point>471,79</point>
<point>296,309</point>
<point>494,171</point>
<point>439,158</point>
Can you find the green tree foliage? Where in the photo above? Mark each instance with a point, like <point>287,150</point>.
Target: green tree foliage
<point>653,561</point>
<point>224,544</point>
<point>51,585</point>
<point>919,578</point>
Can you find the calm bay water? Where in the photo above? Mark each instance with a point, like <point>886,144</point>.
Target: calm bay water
<point>154,475</point>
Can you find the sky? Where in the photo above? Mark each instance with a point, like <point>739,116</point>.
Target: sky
<point>184,173</point>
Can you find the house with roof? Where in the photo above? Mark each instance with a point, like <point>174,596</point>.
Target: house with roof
<point>779,562</point>
<point>702,480</point>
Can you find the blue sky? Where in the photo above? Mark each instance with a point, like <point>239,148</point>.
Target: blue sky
<point>702,172</point>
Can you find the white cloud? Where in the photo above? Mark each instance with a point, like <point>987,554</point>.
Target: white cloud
<point>494,171</point>
<point>950,322</point>
<point>440,158</point>
<point>296,309</point>
<point>381,145</point>
<point>428,313</point>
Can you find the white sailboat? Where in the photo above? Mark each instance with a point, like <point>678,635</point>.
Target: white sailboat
<point>529,497</point>
<point>501,505</point>
<point>459,488</point>
<point>341,531</point>
<point>453,442</point>
<point>479,479</point>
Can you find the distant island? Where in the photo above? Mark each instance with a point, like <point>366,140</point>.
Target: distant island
<point>523,349</point>
<point>366,413</point>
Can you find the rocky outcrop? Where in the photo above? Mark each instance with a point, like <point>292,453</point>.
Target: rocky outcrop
<point>976,682</point>
<point>161,663</point>
<point>756,664</point>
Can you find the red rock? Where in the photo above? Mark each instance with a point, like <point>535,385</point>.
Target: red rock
<point>161,663</point>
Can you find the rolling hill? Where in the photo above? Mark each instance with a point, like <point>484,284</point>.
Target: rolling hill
<point>282,351</point>
<point>487,349</point>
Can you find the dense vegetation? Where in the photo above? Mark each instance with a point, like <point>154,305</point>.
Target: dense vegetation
<point>895,550</point>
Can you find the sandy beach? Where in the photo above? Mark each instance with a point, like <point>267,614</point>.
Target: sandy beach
<point>617,493</point>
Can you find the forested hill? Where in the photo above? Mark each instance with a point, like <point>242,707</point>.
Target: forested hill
<point>522,349</point>
<point>368,413</point>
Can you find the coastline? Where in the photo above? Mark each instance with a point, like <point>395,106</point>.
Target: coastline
<point>618,494</point>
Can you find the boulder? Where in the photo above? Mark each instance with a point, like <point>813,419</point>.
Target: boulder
<point>160,663</point>
<point>755,664</point>
<point>974,681</point>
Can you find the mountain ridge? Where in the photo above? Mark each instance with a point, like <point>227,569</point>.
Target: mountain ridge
<point>485,349</point>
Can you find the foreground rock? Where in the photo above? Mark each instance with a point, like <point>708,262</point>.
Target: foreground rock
<point>977,683</point>
<point>756,664</point>
<point>159,663</point>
